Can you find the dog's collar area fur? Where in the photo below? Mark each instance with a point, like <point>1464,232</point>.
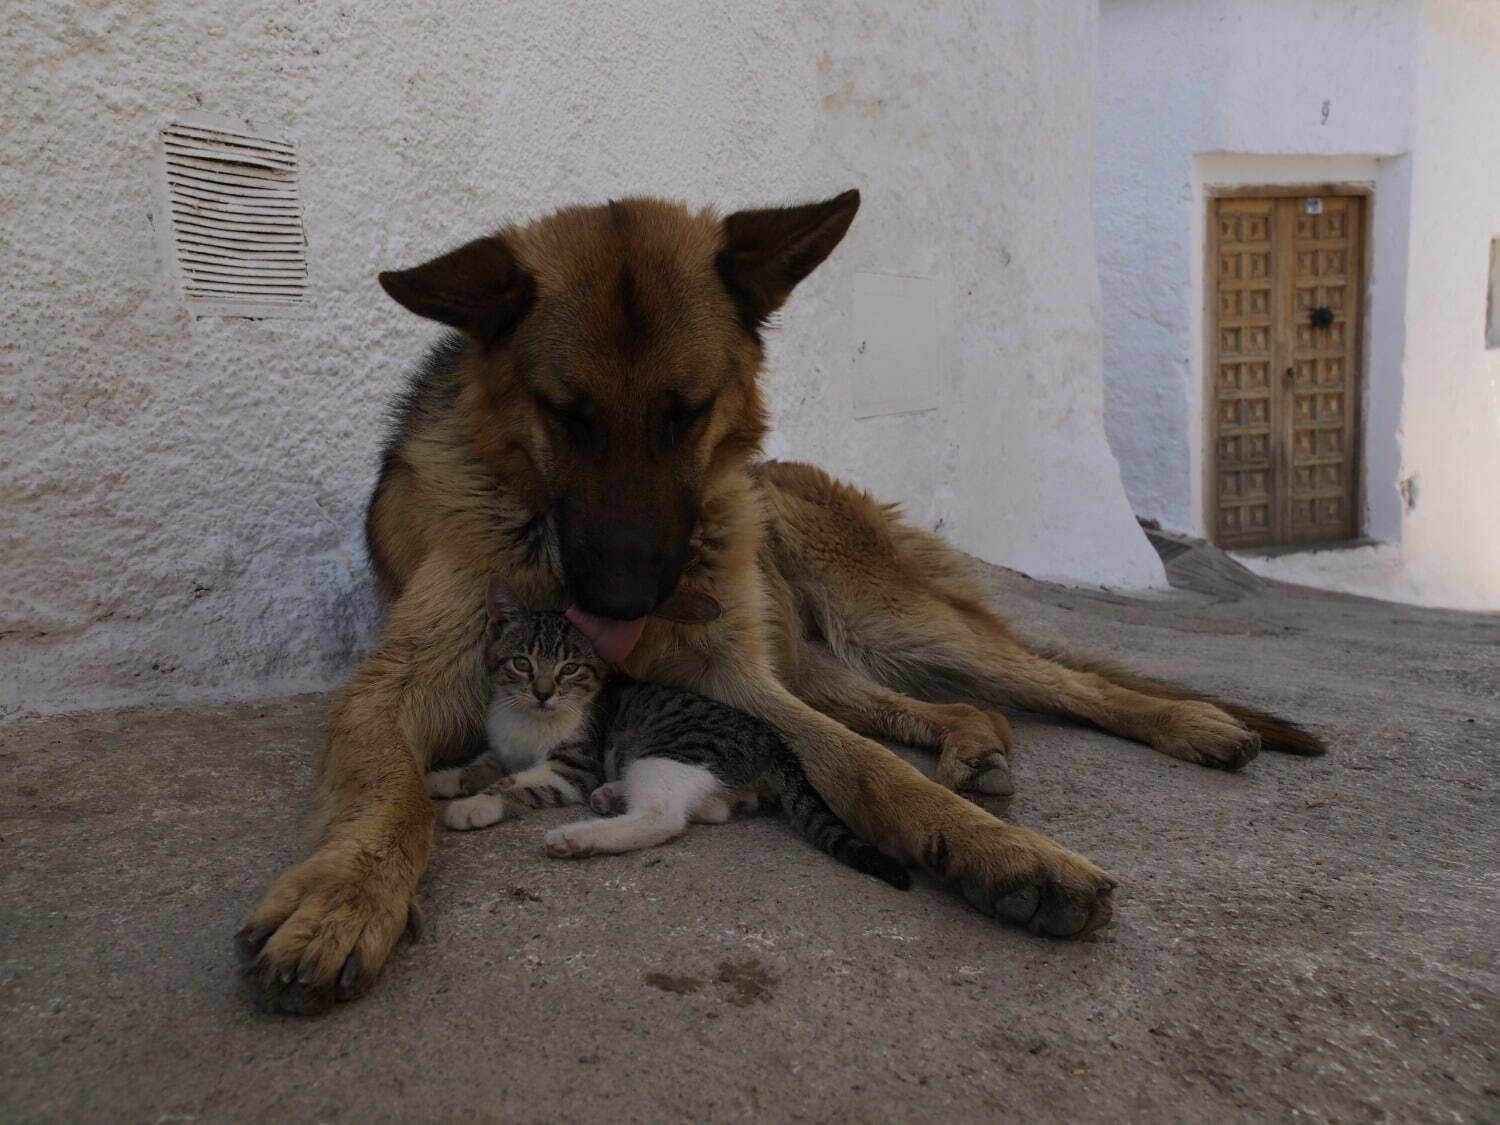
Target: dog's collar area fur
<point>688,605</point>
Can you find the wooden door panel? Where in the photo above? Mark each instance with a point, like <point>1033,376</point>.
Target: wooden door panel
<point>1244,383</point>
<point>1320,415</point>
<point>1284,384</point>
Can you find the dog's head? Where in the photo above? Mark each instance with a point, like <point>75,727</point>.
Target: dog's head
<point>612,370</point>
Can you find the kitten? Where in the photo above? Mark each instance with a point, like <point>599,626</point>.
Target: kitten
<point>561,725</point>
<point>545,678</point>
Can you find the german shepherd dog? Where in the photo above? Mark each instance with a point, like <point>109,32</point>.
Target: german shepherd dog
<point>590,433</point>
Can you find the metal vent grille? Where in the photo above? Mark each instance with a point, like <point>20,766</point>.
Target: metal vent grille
<point>234,218</point>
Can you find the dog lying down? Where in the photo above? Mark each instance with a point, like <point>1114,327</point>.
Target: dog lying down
<point>651,758</point>
<point>591,432</point>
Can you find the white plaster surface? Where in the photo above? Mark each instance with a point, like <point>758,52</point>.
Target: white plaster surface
<point>1450,419</point>
<point>1195,93</point>
<point>180,499</point>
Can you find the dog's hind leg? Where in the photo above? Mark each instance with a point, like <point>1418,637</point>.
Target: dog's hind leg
<point>973,746</point>
<point>949,646</point>
<point>895,604</point>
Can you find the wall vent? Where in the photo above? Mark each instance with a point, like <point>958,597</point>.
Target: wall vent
<point>233,218</point>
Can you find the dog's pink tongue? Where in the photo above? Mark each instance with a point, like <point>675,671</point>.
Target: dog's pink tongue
<point>613,640</point>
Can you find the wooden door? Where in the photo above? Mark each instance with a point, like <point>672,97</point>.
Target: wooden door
<point>1286,308</point>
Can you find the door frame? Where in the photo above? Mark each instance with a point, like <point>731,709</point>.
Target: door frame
<point>1359,376</point>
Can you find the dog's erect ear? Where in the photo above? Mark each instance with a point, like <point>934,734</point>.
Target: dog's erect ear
<point>766,253</point>
<point>477,289</point>
<point>501,604</point>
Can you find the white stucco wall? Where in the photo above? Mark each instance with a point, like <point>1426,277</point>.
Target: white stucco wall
<point>180,499</point>
<point>1199,93</point>
<point>1450,421</point>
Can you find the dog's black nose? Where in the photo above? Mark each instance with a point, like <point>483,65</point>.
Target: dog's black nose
<point>619,568</point>
<point>617,592</point>
<point>621,602</point>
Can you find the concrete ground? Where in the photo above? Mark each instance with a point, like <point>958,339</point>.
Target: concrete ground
<point>1307,940</point>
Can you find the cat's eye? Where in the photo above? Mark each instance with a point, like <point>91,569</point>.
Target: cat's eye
<point>520,664</point>
<point>568,669</point>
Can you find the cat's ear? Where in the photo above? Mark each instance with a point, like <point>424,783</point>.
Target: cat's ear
<point>501,604</point>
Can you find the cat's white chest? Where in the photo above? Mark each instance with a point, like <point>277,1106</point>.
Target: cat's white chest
<point>520,737</point>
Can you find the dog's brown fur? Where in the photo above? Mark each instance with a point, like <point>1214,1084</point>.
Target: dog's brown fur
<point>591,436</point>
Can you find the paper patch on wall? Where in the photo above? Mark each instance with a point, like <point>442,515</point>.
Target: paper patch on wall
<point>898,366</point>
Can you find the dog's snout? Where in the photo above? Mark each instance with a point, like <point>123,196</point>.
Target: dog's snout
<point>617,590</point>
<point>621,561</point>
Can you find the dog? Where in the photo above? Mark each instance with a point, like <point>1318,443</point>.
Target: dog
<point>590,431</point>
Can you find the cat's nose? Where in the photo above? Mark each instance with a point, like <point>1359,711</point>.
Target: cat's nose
<point>543,690</point>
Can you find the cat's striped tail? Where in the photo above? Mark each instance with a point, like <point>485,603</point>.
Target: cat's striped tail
<point>810,815</point>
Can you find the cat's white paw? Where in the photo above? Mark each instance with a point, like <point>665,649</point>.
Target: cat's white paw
<point>608,800</point>
<point>444,783</point>
<point>474,812</point>
<point>567,842</point>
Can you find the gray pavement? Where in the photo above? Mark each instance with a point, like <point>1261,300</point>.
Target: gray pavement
<point>1307,940</point>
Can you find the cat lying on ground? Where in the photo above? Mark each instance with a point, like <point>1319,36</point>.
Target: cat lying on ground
<point>562,727</point>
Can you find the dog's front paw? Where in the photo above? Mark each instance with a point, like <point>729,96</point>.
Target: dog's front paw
<point>322,934</point>
<point>977,766</point>
<point>1022,877</point>
<point>474,812</point>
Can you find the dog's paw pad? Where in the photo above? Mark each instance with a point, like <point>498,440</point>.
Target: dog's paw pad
<point>990,776</point>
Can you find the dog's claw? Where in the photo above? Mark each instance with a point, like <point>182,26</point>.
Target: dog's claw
<point>1237,758</point>
<point>248,942</point>
<point>416,924</point>
<point>349,974</point>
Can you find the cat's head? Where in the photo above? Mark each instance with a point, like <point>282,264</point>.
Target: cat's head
<point>539,663</point>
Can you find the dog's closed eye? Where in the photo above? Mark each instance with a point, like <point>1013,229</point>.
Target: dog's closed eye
<point>680,417</point>
<point>576,418</point>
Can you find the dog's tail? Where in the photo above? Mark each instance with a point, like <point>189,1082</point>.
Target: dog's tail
<point>820,826</point>
<point>1275,732</point>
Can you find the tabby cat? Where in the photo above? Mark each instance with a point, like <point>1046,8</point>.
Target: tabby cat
<point>561,726</point>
